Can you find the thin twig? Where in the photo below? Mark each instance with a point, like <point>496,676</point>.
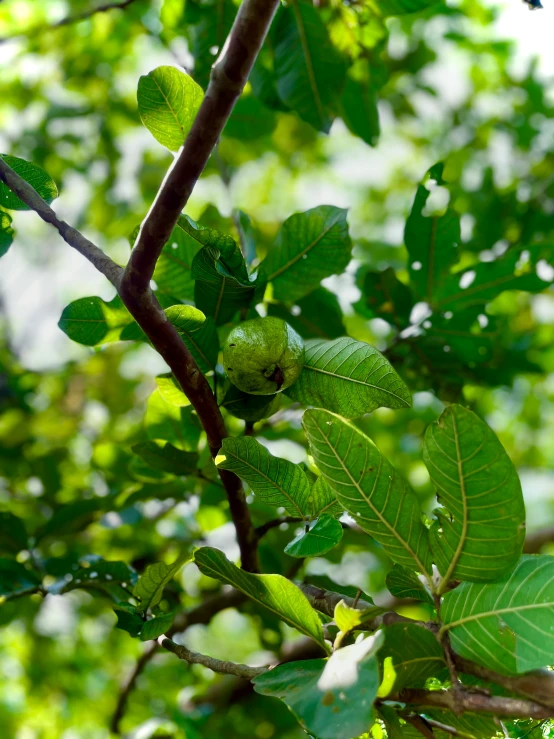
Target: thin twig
<point>70,235</point>
<point>68,20</point>
<point>421,725</point>
<point>265,527</point>
<point>216,665</point>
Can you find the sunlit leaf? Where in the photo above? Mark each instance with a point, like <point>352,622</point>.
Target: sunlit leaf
<point>198,332</point>
<point>150,585</point>
<point>168,100</point>
<point>92,321</point>
<point>325,534</point>
<point>348,377</point>
<point>35,176</point>
<point>404,583</point>
<point>6,232</point>
<point>369,487</point>
<point>169,422</point>
<point>272,591</point>
<point>416,655</point>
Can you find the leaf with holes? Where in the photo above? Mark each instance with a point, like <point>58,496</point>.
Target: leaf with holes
<point>309,71</point>
<point>404,583</point>
<point>274,592</point>
<point>34,176</point>
<point>505,625</point>
<point>92,321</point>
<point>168,101</point>
<point>274,480</point>
<point>348,377</point>
<point>431,240</point>
<point>369,487</point>
<point>309,247</point>
<point>6,232</point>
<point>479,533</point>
<point>416,655</point>
<point>323,536</point>
<point>150,585</point>
<point>198,332</point>
<point>332,699</point>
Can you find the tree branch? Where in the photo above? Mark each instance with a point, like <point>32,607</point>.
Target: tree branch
<point>69,20</point>
<point>537,539</point>
<point>229,75</point>
<point>216,665</point>
<point>465,700</point>
<point>70,235</point>
<point>265,527</point>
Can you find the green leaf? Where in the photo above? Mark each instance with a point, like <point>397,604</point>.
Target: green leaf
<point>100,575</point>
<point>206,26</point>
<point>249,120</point>
<point>173,423</point>
<point>250,407</point>
<point>322,537</point>
<point>332,699</point>
<point>309,70</point>
<point>309,247</point>
<point>481,283</point>
<point>416,655</point>
<point>479,533</point>
<point>274,480</point>
<point>404,583</point>
<point>431,240</point>
<point>198,332</point>
<point>166,457</point>
<point>274,592</point>
<point>505,625</point>
<point>170,390</point>
<point>16,579</point>
<point>347,618</point>
<point>348,377</point>
<point>168,101</point>
<point>150,585</point>
<point>173,273</point>
<point>222,284</point>
<point>92,321</point>
<point>13,536</point>
<point>6,232</point>
<point>404,7</point>
<point>72,517</point>
<point>317,315</point>
<point>369,487</point>
<point>359,103</point>
<point>156,626</point>
<point>143,472</point>
<point>323,499</point>
<point>34,176</point>
<point>127,619</point>
<point>384,296</point>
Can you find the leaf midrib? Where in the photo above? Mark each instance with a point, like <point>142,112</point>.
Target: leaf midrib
<point>308,59</point>
<point>357,382</point>
<point>302,253</point>
<point>486,614</point>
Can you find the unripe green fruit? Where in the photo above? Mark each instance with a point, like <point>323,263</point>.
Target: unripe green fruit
<point>263,356</point>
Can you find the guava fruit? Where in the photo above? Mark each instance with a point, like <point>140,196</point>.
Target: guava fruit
<point>263,356</point>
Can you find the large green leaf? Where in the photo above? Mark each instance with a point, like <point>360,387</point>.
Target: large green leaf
<point>416,655</point>
<point>348,377</point>
<point>473,288</point>
<point>155,627</point>
<point>317,315</point>
<point>431,240</point>
<point>166,457</point>
<point>309,247</point>
<point>35,176</point>
<point>168,101</point>
<point>274,592</point>
<point>274,480</point>
<point>310,72</point>
<point>369,487</point>
<point>222,285</point>
<point>505,625</point>
<point>16,579</point>
<point>479,533</point>
<point>325,534</point>
<point>6,232</point>
<point>332,699</point>
<point>150,585</point>
<point>173,273</point>
<point>92,321</point>
<point>359,103</point>
<point>198,332</point>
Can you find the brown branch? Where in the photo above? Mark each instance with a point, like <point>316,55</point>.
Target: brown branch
<point>70,235</point>
<point>537,539</point>
<point>229,75</point>
<point>68,20</point>
<point>465,700</point>
<point>216,665</point>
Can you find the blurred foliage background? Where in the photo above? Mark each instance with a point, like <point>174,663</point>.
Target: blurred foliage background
<point>448,90</point>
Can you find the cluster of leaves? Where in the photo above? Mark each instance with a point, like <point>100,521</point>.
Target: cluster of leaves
<point>451,323</point>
